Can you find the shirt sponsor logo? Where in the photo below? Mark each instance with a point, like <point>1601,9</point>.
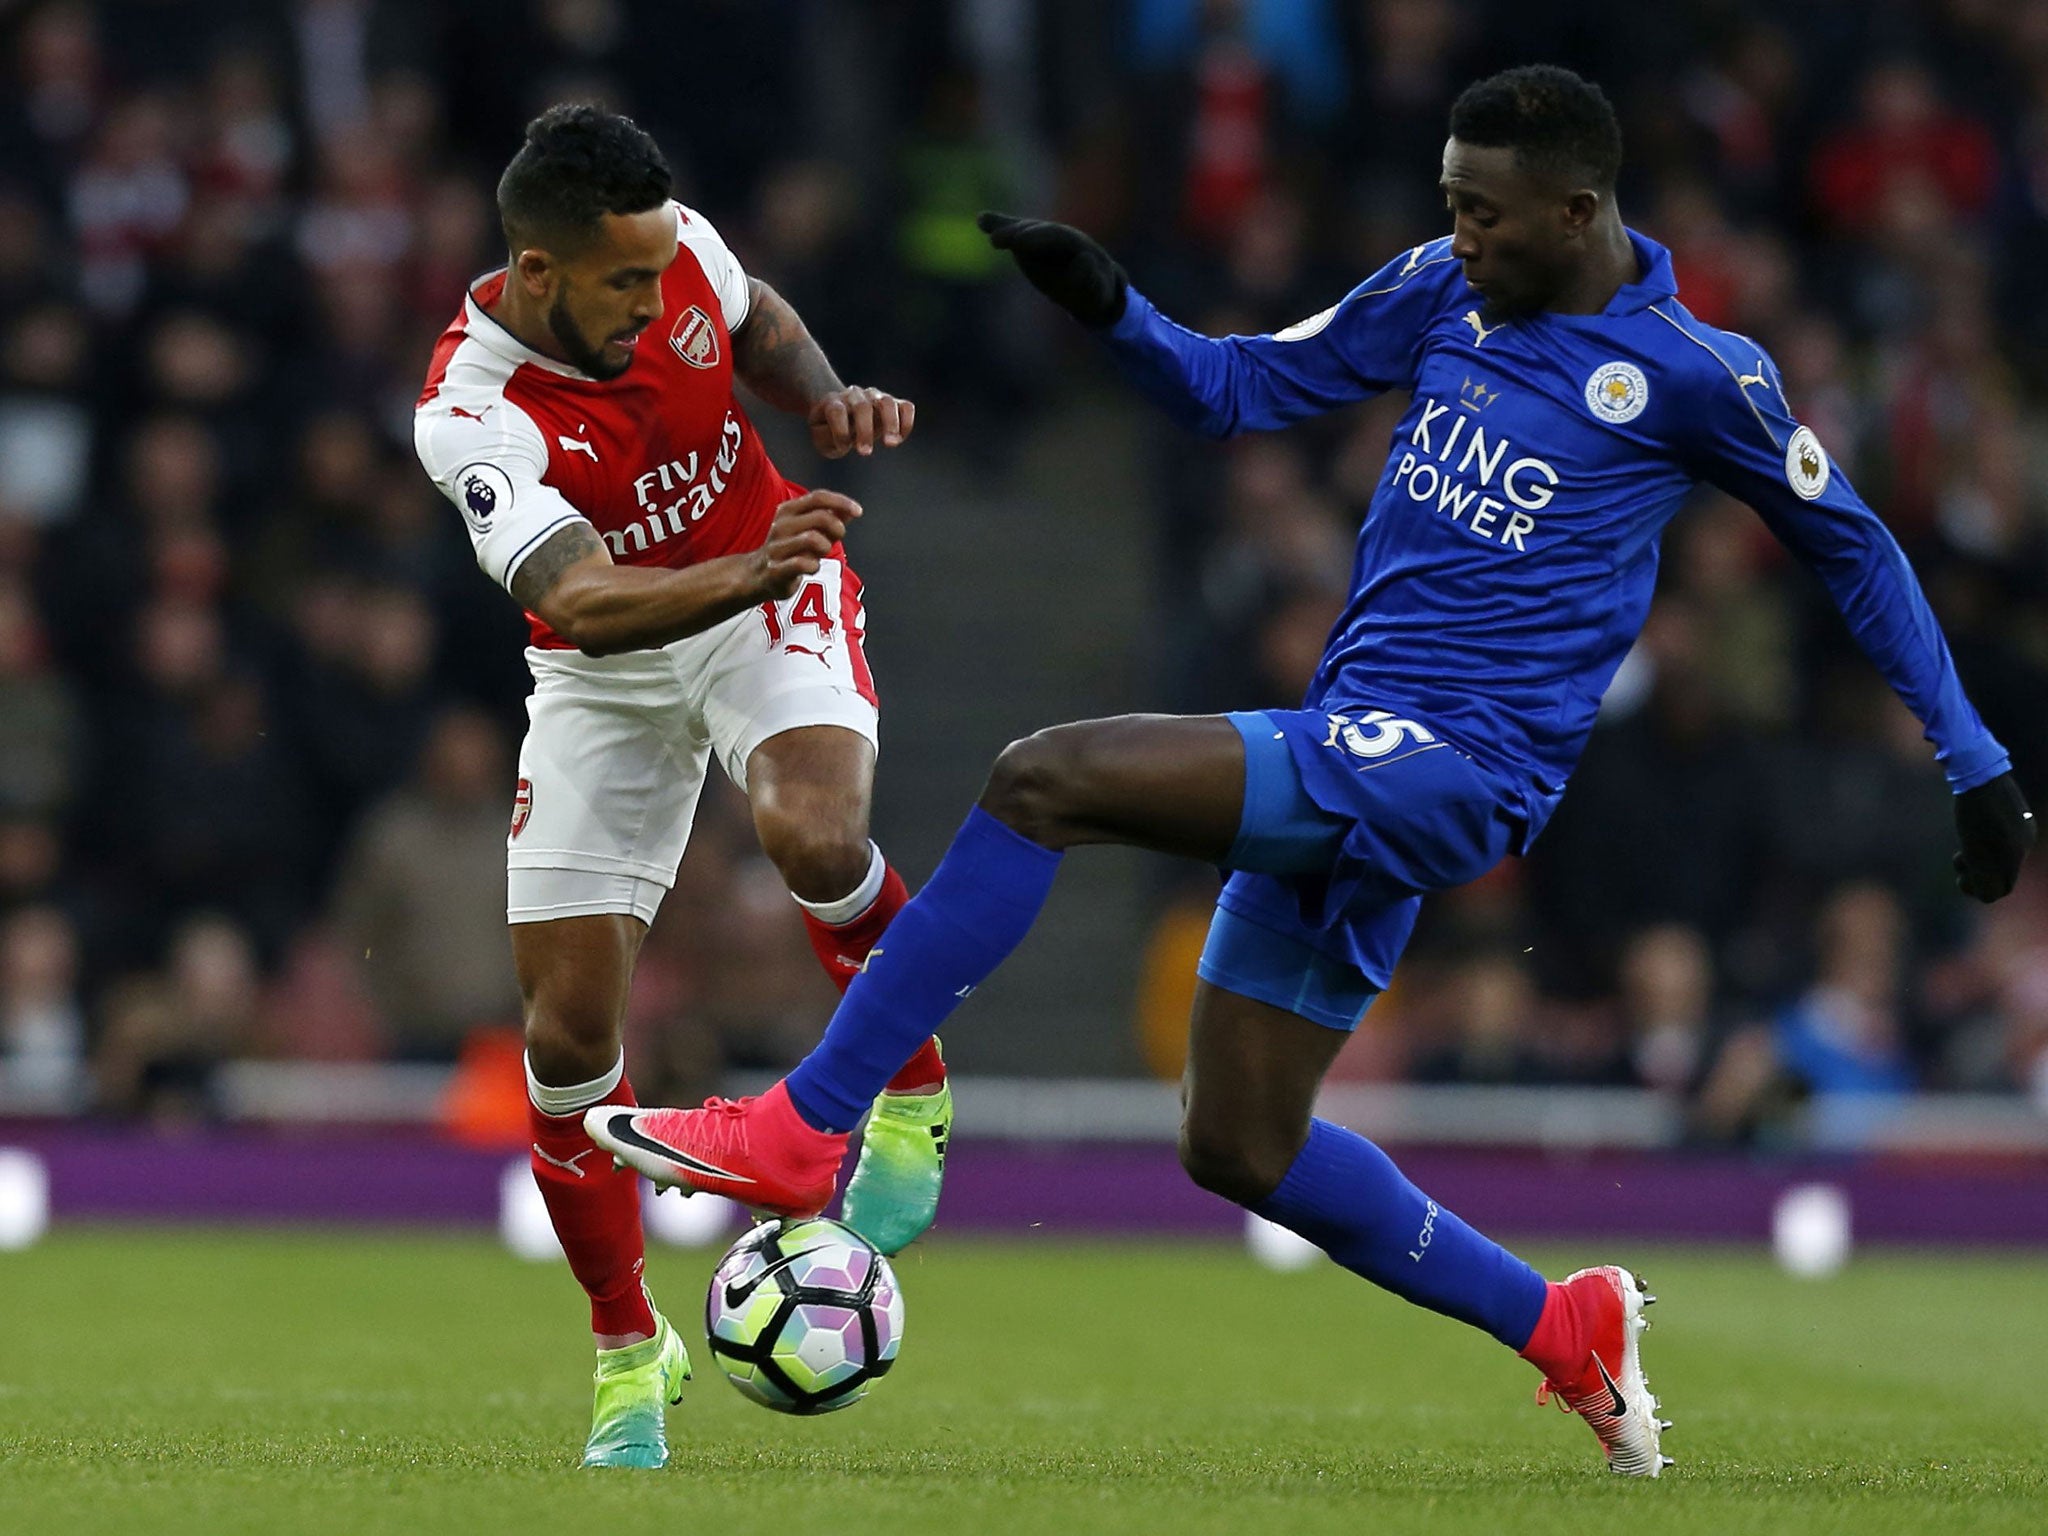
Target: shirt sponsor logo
<point>693,485</point>
<point>1442,461</point>
<point>1806,465</point>
<point>1617,392</point>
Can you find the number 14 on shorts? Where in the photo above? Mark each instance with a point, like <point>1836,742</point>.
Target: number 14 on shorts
<point>808,609</point>
<point>824,621</point>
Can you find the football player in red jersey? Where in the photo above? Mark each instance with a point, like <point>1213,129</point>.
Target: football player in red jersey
<point>685,600</point>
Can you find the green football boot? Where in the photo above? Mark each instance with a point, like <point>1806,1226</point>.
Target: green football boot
<point>634,1387</point>
<point>894,1191</point>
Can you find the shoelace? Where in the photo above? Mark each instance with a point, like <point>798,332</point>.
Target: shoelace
<point>728,1106</point>
<point>1548,1391</point>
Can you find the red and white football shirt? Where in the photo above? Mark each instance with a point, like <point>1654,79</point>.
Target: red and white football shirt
<point>661,460</point>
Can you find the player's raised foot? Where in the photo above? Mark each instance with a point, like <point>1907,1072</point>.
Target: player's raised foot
<point>758,1151</point>
<point>894,1192</point>
<point>1610,1391</point>
<point>636,1386</point>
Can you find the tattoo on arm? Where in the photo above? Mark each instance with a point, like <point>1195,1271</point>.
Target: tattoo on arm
<point>775,356</point>
<point>539,571</point>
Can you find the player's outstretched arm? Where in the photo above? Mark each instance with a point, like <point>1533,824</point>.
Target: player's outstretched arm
<point>1752,447</point>
<point>603,608</point>
<point>775,356</point>
<point>1220,386</point>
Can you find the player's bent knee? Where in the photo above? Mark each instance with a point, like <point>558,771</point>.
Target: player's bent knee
<point>820,858</point>
<point>570,1045</point>
<point>1227,1162</point>
<point>1030,788</point>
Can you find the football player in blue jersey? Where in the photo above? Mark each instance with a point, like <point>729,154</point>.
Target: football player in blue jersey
<point>1564,404</point>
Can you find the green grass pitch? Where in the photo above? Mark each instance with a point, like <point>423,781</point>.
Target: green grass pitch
<point>157,1383</point>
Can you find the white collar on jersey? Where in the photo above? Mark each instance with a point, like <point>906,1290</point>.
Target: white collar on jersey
<point>491,334</point>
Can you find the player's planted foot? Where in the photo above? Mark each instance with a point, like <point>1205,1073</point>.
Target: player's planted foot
<point>636,1385</point>
<point>758,1151</point>
<point>894,1192</point>
<point>1607,1388</point>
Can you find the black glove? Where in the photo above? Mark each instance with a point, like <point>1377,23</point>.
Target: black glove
<point>1995,829</point>
<point>1063,264</point>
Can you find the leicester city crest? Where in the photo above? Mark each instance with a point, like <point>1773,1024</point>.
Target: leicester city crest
<point>1617,392</point>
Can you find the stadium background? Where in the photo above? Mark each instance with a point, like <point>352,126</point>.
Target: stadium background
<point>257,706</point>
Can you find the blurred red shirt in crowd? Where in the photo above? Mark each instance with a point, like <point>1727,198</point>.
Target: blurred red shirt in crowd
<point>1904,139</point>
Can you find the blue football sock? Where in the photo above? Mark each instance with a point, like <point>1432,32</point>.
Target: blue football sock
<point>973,911</point>
<point>1346,1196</point>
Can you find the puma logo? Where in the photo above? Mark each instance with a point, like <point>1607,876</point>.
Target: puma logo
<point>1414,258</point>
<point>541,1152</point>
<point>456,410</point>
<point>1481,331</point>
<point>1744,380</point>
<point>578,445</point>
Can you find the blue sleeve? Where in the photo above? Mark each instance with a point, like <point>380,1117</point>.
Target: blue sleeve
<point>1357,348</point>
<point>1750,446</point>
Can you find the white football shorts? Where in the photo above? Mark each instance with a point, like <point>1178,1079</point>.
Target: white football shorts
<point>617,746</point>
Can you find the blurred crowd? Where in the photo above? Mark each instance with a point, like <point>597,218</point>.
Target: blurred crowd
<point>257,707</point>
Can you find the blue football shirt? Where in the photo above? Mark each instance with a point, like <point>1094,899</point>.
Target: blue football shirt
<point>1508,558</point>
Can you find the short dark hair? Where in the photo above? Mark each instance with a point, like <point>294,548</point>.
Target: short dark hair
<point>1552,119</point>
<point>579,162</point>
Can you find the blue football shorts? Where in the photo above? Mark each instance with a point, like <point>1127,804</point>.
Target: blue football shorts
<point>1350,817</point>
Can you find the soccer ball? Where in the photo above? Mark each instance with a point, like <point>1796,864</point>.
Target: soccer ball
<point>803,1315</point>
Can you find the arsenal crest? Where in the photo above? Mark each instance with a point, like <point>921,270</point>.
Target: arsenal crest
<point>695,339</point>
<point>522,806</point>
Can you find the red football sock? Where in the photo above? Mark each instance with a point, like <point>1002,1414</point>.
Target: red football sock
<point>1553,1347</point>
<point>842,948</point>
<point>596,1213</point>
<point>1563,1339</point>
<point>921,1071</point>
